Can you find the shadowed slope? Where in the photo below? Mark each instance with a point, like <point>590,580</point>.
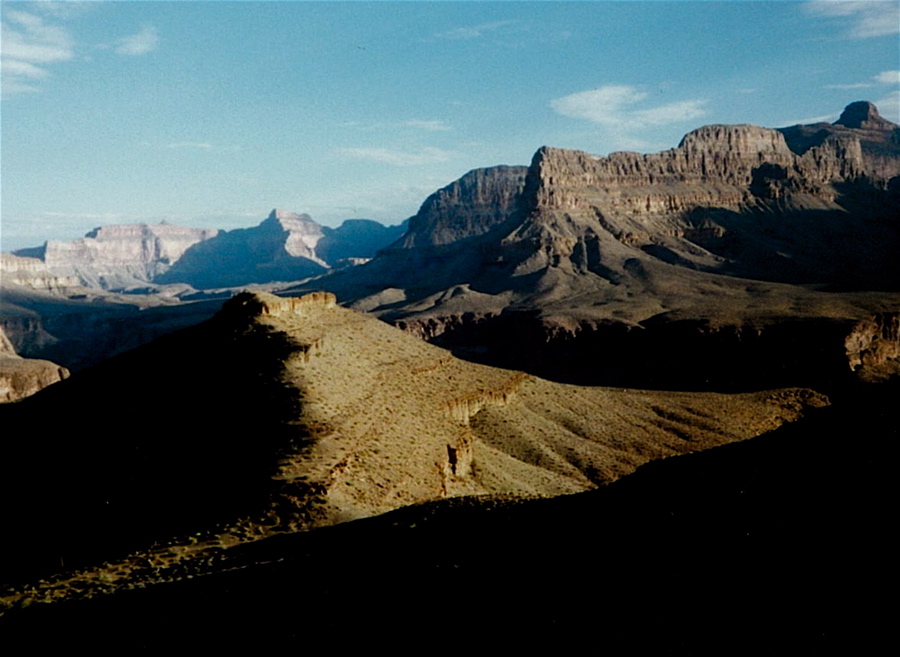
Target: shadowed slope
<point>782,540</point>
<point>287,414</point>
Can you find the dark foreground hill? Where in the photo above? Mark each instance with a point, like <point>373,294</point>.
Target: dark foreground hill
<point>280,416</point>
<point>778,544</point>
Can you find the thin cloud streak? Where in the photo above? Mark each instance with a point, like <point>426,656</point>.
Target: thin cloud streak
<point>191,144</point>
<point>809,120</point>
<point>883,78</point>
<point>474,31</point>
<point>430,126</point>
<point>397,158</point>
<point>856,85</point>
<point>618,108</point>
<point>867,20</point>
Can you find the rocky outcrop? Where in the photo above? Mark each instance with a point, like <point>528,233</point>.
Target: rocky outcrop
<point>253,304</point>
<point>466,208</point>
<point>715,166</point>
<point>33,273</point>
<point>879,139</point>
<point>23,377</point>
<point>863,115</point>
<point>874,344</point>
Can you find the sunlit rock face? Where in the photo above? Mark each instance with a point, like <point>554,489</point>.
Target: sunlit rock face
<point>22,377</point>
<point>118,256</point>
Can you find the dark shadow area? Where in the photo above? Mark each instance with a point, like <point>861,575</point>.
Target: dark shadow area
<point>661,354</point>
<point>170,438</point>
<point>781,541</point>
<point>854,248</point>
<point>240,257</point>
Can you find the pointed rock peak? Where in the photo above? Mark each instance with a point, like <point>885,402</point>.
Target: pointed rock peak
<point>289,220</point>
<point>862,115</point>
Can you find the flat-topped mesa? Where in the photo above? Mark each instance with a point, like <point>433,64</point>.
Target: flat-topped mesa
<point>127,244</point>
<point>120,255</point>
<point>256,304</point>
<point>715,165</point>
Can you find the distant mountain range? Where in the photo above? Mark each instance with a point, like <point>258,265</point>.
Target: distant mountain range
<point>284,247</point>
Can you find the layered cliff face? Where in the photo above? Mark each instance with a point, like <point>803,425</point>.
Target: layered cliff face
<point>471,206</point>
<point>33,273</point>
<point>120,256</point>
<point>879,138</point>
<point>738,226</point>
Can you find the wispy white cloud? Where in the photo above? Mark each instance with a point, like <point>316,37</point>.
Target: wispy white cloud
<point>883,78</point>
<point>855,85</point>
<point>398,158</point>
<point>141,43</point>
<point>679,112</point>
<point>474,31</point>
<point>887,77</point>
<point>430,126</point>
<point>861,19</point>
<point>620,109</point>
<point>28,45</point>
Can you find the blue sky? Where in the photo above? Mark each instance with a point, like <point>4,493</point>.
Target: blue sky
<point>212,113</point>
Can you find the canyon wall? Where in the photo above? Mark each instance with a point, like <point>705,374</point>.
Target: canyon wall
<point>119,256</point>
<point>468,207</point>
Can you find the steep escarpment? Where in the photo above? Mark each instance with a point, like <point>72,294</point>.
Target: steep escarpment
<point>473,205</point>
<point>879,138</point>
<point>673,353</point>
<point>296,413</point>
<point>738,226</point>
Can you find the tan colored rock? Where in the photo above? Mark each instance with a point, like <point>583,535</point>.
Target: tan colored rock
<point>22,377</point>
<point>33,273</point>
